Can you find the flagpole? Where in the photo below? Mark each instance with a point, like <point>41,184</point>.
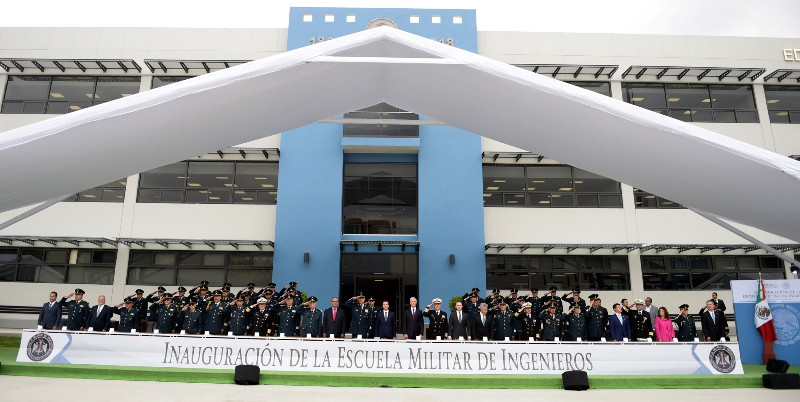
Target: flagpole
<point>769,350</point>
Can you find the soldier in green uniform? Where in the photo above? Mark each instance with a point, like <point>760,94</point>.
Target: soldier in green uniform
<point>641,323</point>
<point>528,326</point>
<point>263,316</point>
<point>167,316</point>
<point>503,327</point>
<point>552,298</point>
<point>551,322</point>
<point>311,319</point>
<point>192,318</point>
<point>240,317</point>
<point>359,321</point>
<point>287,317</point>
<point>596,320</point>
<point>687,331</point>
<point>216,317</point>
<point>128,316</point>
<point>437,325</point>
<point>575,324</point>
<point>77,311</point>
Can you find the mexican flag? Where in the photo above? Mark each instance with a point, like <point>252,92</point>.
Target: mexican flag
<point>764,322</point>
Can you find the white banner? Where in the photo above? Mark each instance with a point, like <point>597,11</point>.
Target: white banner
<point>778,291</point>
<point>378,356</point>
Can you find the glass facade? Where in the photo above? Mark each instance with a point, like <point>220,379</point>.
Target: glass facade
<point>564,272</point>
<point>716,103</point>
<point>783,103</point>
<point>109,192</point>
<point>57,265</point>
<point>39,94</point>
<point>381,111</point>
<point>706,272</point>
<point>380,198</point>
<point>148,267</point>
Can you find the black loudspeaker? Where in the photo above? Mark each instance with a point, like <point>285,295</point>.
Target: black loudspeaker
<point>777,366</point>
<point>781,381</point>
<point>246,374</point>
<point>575,380</point>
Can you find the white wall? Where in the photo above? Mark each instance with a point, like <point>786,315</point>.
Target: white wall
<point>204,221</point>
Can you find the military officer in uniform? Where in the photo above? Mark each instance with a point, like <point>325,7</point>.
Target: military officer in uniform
<point>359,322</point>
<point>574,297</point>
<point>216,317</point>
<point>437,325</point>
<point>552,298</point>
<point>575,324</point>
<point>270,287</point>
<point>227,297</point>
<point>551,322</point>
<point>596,320</point>
<point>536,304</point>
<point>195,292</point>
<point>373,316</point>
<point>140,304</point>
<point>503,327</point>
<point>240,317</point>
<point>77,311</point>
<point>192,318</point>
<point>287,317</point>
<point>493,300</point>
<point>641,323</point>
<point>311,319</point>
<point>167,315</point>
<point>468,295</point>
<point>687,331</point>
<point>262,318</point>
<point>528,323</point>
<point>128,316</point>
<point>512,299</point>
<point>153,299</point>
<point>471,306</point>
<point>249,289</point>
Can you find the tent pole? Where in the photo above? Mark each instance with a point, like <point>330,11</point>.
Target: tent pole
<point>33,211</point>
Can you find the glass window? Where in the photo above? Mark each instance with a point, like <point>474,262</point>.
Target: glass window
<point>380,198</point>
<point>379,112</point>
<point>704,272</point>
<point>603,88</point>
<point>189,267</point>
<point>162,81</point>
<point>111,88</point>
<point>68,94</point>
<point>643,199</point>
<point>695,102</point>
<point>549,178</point>
<point>195,275</point>
<point>168,176</point>
<point>646,95</point>
<point>93,275</point>
<point>152,276</point>
<point>783,103</point>
<point>504,178</point>
<point>688,96</point>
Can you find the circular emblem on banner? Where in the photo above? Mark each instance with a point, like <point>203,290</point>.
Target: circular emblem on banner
<point>381,22</point>
<point>762,312</point>
<point>39,347</point>
<point>722,359</point>
<point>787,324</point>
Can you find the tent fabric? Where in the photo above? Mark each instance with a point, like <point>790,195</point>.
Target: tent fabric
<point>685,163</point>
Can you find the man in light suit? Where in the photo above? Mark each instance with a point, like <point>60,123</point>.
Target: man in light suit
<point>715,326</point>
<point>100,316</point>
<point>482,325</point>
<point>385,323</point>
<point>618,324</point>
<point>458,325</point>
<point>413,323</point>
<point>50,316</point>
<point>333,320</point>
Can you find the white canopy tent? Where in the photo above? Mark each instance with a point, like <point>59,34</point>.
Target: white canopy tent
<point>685,163</point>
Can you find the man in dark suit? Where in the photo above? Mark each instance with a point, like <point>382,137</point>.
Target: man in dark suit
<point>100,316</point>
<point>718,302</point>
<point>458,325</point>
<point>413,323</point>
<point>482,325</point>
<point>618,324</point>
<point>385,323</point>
<point>333,320</point>
<point>50,316</point>
<point>714,324</point>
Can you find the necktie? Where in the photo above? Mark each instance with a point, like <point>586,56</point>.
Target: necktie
<point>483,319</point>
<point>713,319</point>
<point>386,315</point>
<point>459,316</point>
<point>51,304</point>
<point>334,314</point>
<point>413,311</point>
<point>99,309</point>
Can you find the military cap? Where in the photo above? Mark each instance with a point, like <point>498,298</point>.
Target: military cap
<point>226,284</point>
<point>314,298</point>
<point>167,295</point>
<point>268,292</point>
<point>292,284</point>
<point>371,299</point>
<point>262,301</point>
<point>192,301</point>
<point>553,288</point>
<point>226,289</point>
<point>437,301</point>
<point>551,305</point>
<point>181,289</point>
<point>475,290</point>
<point>360,294</point>
<point>514,291</point>
<point>534,290</point>
<point>139,291</point>
<point>575,305</point>
<point>251,285</point>
<point>473,294</point>
<point>271,285</point>
<point>576,291</point>
<point>204,283</point>
<point>520,298</point>
<point>684,306</point>
<point>162,289</point>
<point>79,292</point>
<point>128,300</point>
<point>592,296</point>
<point>239,298</point>
<point>495,290</point>
<point>527,305</point>
<point>203,287</point>
<point>501,301</point>
<point>217,293</point>
<point>246,294</point>
<point>639,301</point>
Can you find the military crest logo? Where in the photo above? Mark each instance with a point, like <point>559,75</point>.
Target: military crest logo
<point>40,347</point>
<point>762,312</point>
<point>722,359</point>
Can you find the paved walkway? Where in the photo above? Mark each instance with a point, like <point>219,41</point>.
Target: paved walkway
<point>31,389</point>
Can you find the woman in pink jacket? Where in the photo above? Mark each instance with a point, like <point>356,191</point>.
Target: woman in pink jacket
<point>663,326</point>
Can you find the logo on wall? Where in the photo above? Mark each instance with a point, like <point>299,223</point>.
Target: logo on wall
<point>722,359</point>
<point>787,323</point>
<point>381,22</point>
<point>39,347</point>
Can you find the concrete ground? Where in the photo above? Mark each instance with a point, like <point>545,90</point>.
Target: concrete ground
<point>28,389</point>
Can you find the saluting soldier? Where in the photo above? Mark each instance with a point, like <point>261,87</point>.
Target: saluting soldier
<point>287,317</point>
<point>194,293</point>
<point>574,297</point>
<point>687,330</point>
<point>528,323</point>
<point>77,311</point>
<point>596,319</point>
<point>249,289</point>
<point>503,328</point>
<point>140,304</point>
<point>511,300</point>
<point>227,297</point>
<point>167,315</point>
<point>641,323</point>
<point>311,319</point>
<point>262,318</point>
<point>373,317</point>
<point>575,324</point>
<point>128,316</point>
<point>551,322</point>
<point>153,299</point>
<point>359,322</point>
<point>438,320</point>
<point>536,304</point>
<point>471,306</point>
<point>192,318</point>
<point>180,300</point>
<point>269,288</point>
<point>492,300</point>
<point>469,294</point>
<point>552,298</point>
<point>216,319</point>
<point>240,317</point>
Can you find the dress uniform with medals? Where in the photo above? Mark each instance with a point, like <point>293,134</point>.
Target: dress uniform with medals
<point>503,327</point>
<point>551,322</point>
<point>216,319</point>
<point>438,320</point>
<point>596,320</point>
<point>287,318</point>
<point>641,323</point>
<point>192,319</point>
<point>311,319</point>
<point>262,318</point>
<point>575,324</point>
<point>361,313</point>
<point>77,312</point>
<point>128,316</point>
<point>687,330</point>
<point>167,316</point>
<point>240,317</point>
<point>528,323</point>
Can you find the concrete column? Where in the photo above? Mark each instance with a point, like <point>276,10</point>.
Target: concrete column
<point>763,116</point>
<point>635,269</point>
<point>3,81</point>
